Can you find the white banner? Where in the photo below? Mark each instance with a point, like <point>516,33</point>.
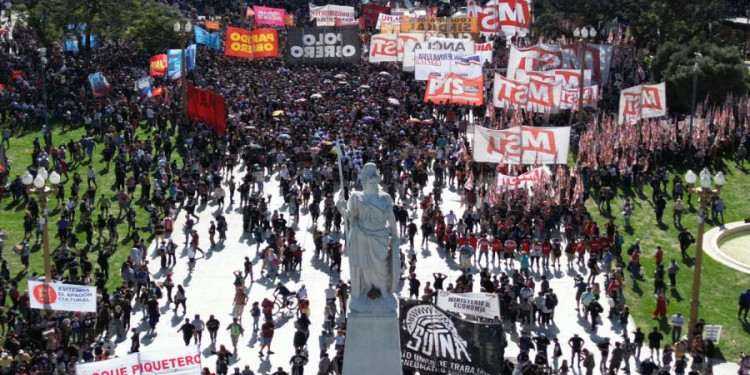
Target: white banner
<point>525,180</point>
<point>402,40</point>
<point>543,57</point>
<point>126,365</point>
<point>469,66</point>
<point>382,17</point>
<point>173,361</point>
<point>327,15</point>
<point>462,46</point>
<point>512,17</point>
<point>534,95</point>
<point>522,145</point>
<point>383,47</point>
<point>569,98</point>
<point>642,101</point>
<point>161,362</point>
<point>485,305</point>
<point>485,51</point>
<point>62,297</point>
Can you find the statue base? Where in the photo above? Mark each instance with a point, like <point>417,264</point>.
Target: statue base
<point>384,306</point>
<point>373,345</point>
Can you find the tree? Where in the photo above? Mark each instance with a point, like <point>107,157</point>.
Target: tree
<point>721,72</point>
<point>147,23</point>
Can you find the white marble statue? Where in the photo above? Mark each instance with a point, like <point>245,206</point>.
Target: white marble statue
<point>372,244</point>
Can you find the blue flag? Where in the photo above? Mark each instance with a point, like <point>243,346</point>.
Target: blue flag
<point>190,54</point>
<point>71,43</point>
<point>175,64</point>
<point>207,39</point>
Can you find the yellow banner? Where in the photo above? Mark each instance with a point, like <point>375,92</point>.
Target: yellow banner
<point>424,24</point>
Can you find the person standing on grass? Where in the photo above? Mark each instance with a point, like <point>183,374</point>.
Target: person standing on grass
<point>672,273</point>
<point>677,322</point>
<point>744,303</point>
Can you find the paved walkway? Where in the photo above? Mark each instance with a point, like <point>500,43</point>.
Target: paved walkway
<point>209,290</point>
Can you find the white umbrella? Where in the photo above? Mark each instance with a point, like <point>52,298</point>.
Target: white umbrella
<point>364,87</point>
<point>393,101</point>
<point>340,76</point>
<point>316,96</point>
<point>384,73</point>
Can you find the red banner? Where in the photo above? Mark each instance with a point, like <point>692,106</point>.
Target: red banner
<point>370,14</point>
<point>455,89</point>
<point>208,107</point>
<point>252,44</point>
<point>213,25</point>
<point>158,65</point>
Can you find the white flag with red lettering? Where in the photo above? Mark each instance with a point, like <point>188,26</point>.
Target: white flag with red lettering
<point>538,95</point>
<point>521,145</point>
<point>642,101</point>
<point>383,47</point>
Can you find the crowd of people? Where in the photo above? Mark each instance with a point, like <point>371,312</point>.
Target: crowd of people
<point>165,165</point>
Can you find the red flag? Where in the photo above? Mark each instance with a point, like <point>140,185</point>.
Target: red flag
<point>208,107</point>
<point>16,74</point>
<point>158,65</point>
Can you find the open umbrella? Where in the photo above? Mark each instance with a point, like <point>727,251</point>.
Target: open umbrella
<point>285,137</point>
<point>384,73</point>
<point>277,113</point>
<point>393,101</point>
<point>255,146</point>
<point>368,118</point>
<point>316,96</point>
<point>364,87</point>
<point>340,76</point>
<point>301,100</point>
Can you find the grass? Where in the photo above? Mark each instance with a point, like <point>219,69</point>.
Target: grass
<point>720,285</point>
<point>12,212</point>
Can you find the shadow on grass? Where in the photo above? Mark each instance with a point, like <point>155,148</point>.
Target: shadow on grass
<point>676,295</point>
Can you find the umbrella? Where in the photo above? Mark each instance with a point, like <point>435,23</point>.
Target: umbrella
<point>302,100</point>
<point>340,76</point>
<point>316,96</point>
<point>343,83</point>
<point>255,146</point>
<point>277,113</point>
<point>285,137</point>
<point>249,127</point>
<point>384,73</point>
<point>364,87</point>
<point>368,118</point>
<point>393,101</point>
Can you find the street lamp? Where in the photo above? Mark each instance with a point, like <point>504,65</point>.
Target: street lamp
<point>43,59</point>
<point>583,34</point>
<point>704,193</point>
<point>184,33</point>
<point>37,185</point>
<point>698,58</point>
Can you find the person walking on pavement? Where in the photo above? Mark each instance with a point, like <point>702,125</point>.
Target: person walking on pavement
<point>266,336</point>
<point>212,325</point>
<point>187,330</point>
<point>576,344</point>
<point>589,363</point>
<point>199,326</point>
<point>235,331</point>
<point>654,341</point>
<point>298,362</point>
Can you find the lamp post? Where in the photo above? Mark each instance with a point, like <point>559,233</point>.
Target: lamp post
<point>698,58</point>
<point>43,60</point>
<point>37,185</point>
<point>583,34</point>
<point>704,193</point>
<point>184,33</point>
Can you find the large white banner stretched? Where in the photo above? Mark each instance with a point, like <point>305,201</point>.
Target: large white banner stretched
<point>161,362</point>
<point>543,57</point>
<point>642,101</point>
<point>569,97</point>
<point>327,15</point>
<point>460,46</point>
<point>511,17</point>
<point>534,95</point>
<point>522,145</point>
<point>525,180</point>
<point>62,297</point>
<point>485,305</point>
<point>383,47</point>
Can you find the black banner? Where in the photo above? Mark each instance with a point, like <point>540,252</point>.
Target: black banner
<point>435,342</point>
<point>323,45</point>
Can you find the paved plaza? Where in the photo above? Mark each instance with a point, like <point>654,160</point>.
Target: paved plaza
<point>210,290</point>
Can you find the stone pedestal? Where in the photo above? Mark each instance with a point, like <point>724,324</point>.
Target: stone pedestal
<point>373,345</point>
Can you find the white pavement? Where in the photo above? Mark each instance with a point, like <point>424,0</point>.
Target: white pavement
<point>210,290</point>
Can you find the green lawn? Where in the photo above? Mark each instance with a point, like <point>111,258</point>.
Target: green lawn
<point>12,213</point>
<point>720,285</point>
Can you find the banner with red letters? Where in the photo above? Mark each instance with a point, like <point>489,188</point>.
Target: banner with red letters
<point>485,51</point>
<point>388,23</point>
<point>383,47</point>
<point>208,107</point>
<point>511,17</point>
<point>534,95</point>
<point>640,102</point>
<point>455,89</point>
<point>161,362</point>
<point>522,145</point>
<point>544,57</point>
<point>327,15</point>
<point>525,180</point>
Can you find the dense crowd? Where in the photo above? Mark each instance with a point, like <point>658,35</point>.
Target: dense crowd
<point>164,165</point>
